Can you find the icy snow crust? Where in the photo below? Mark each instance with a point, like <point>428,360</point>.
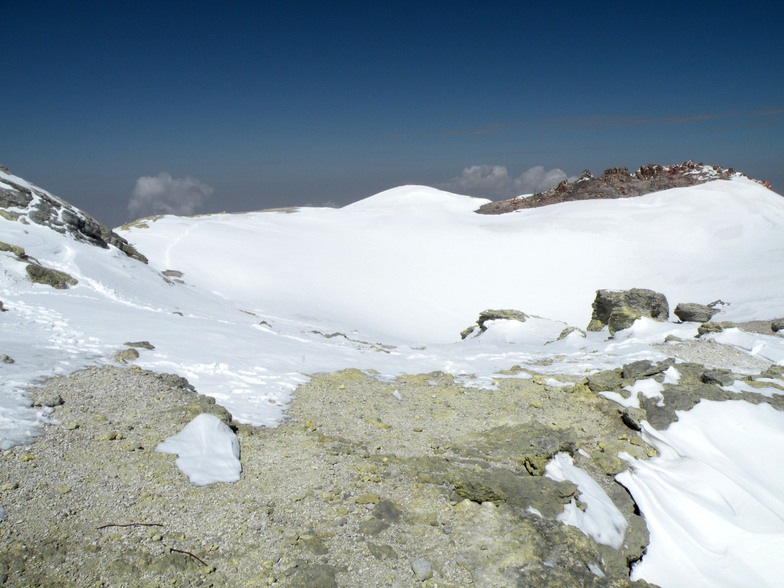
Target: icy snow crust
<point>388,284</point>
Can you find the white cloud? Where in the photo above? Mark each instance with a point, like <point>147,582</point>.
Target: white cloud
<point>163,194</point>
<point>482,178</point>
<point>493,181</point>
<point>537,180</point>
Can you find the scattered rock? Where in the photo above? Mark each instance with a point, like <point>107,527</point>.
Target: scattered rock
<point>632,417</point>
<point>694,313</point>
<point>718,377</point>
<point>777,325</point>
<point>48,398</point>
<point>422,569</point>
<point>313,543</point>
<point>15,249</point>
<point>568,331</point>
<point>637,370</point>
<point>373,527</point>
<point>54,278</point>
<point>368,499</point>
<point>381,551</point>
<point>618,310</point>
<point>706,328</point>
<point>386,510</point>
<point>493,315</point>
<point>141,345</point>
<point>303,574</point>
<point>126,355</point>
<point>606,381</point>
<point>6,359</point>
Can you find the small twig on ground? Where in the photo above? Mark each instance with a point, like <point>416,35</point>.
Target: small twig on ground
<point>130,525</point>
<point>201,561</point>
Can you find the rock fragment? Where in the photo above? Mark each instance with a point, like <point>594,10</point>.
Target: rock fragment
<point>694,313</point>
<point>493,315</point>
<point>706,328</point>
<point>49,277</point>
<point>140,345</point>
<point>422,569</point>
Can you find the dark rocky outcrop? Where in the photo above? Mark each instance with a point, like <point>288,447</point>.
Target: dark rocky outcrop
<point>694,313</point>
<point>531,444</point>
<point>618,310</point>
<point>617,182</point>
<point>25,204</point>
<point>493,315</point>
<point>696,382</point>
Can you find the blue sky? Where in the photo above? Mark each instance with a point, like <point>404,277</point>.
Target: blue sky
<point>249,106</point>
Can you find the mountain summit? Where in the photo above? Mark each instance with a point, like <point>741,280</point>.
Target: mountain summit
<point>617,182</point>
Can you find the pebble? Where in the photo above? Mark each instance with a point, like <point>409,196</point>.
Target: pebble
<point>422,569</point>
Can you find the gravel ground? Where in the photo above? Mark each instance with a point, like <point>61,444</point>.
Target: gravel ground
<point>414,482</point>
<point>709,353</point>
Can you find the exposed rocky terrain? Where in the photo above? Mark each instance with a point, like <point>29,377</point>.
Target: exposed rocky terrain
<point>416,481</point>
<point>369,483</point>
<point>617,182</point>
<point>23,204</point>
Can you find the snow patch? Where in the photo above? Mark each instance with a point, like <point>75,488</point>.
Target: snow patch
<point>208,450</point>
<point>601,520</point>
<point>712,500</point>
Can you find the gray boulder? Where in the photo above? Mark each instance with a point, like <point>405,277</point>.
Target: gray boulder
<point>777,325</point>
<point>689,312</point>
<point>618,310</point>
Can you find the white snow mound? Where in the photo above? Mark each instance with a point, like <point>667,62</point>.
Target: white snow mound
<point>208,450</point>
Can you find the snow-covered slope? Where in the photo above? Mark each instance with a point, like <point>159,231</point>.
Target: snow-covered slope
<point>399,276</point>
<point>418,264</point>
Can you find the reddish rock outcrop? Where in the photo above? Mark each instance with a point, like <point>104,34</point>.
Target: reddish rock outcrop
<point>617,182</point>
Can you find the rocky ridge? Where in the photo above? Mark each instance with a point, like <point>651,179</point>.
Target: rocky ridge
<point>30,204</point>
<point>617,182</point>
